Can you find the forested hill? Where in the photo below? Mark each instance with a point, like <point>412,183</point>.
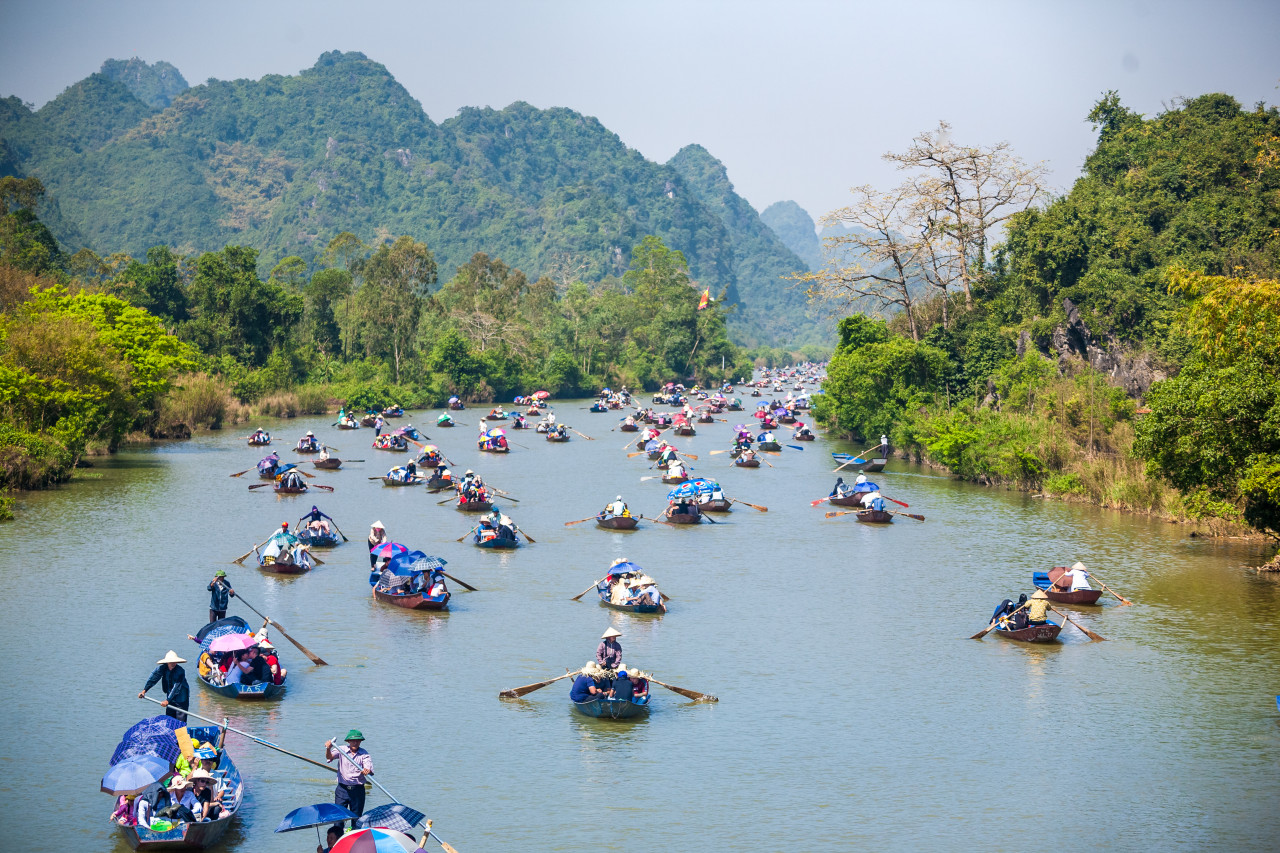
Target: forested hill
<point>283,164</point>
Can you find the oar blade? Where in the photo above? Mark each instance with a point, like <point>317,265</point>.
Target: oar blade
<point>688,694</point>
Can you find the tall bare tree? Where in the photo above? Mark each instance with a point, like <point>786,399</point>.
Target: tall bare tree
<point>875,261</point>
<point>965,192</point>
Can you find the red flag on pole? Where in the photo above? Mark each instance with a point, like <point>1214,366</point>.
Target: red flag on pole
<point>706,297</point>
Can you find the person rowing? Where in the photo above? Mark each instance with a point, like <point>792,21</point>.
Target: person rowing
<point>1073,579</point>
<point>617,509</point>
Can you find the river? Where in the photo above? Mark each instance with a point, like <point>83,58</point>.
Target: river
<point>855,713</point>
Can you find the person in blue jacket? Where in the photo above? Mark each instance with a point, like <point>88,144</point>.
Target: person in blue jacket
<point>173,680</point>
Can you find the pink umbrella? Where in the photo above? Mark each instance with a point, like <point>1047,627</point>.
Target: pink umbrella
<point>541,395</point>
<point>232,642</point>
<point>375,841</point>
<point>388,550</point>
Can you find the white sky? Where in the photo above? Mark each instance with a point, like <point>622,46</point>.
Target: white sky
<point>798,99</point>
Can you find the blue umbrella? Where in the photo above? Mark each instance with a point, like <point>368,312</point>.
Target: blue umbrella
<point>134,774</point>
<point>391,816</point>
<point>314,815</point>
<point>623,568</point>
<point>150,737</point>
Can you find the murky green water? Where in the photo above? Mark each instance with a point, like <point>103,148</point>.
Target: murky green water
<point>854,712</point>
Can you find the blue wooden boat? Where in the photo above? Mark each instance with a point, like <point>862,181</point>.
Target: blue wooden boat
<point>614,709</point>
<point>602,589</point>
<point>319,539</point>
<point>195,836</point>
<point>598,407</point>
<point>497,542</point>
<point>245,692</point>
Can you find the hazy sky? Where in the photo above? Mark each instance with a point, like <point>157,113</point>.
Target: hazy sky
<point>798,99</point>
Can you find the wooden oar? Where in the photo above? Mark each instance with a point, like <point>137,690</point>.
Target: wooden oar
<point>240,473</point>
<point>578,597</point>
<point>753,506</point>
<point>795,446</point>
<point>835,513</point>
<point>1091,635</point>
<point>318,486</point>
<point>857,460</point>
<point>532,541</point>
<point>461,583</point>
<point>240,560</point>
<point>688,694</point>
<point>907,514</point>
<point>265,743</point>
<point>687,455</point>
<point>579,521</point>
<point>820,500</point>
<point>637,453</point>
<point>258,486</point>
<point>315,658</point>
<point>1123,600</point>
<point>587,437</point>
<point>984,631</point>
<point>714,452</point>
<point>517,692</point>
<point>898,502</point>
<point>766,461</point>
<point>468,533</point>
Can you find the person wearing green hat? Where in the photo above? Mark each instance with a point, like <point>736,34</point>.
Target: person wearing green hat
<point>219,593</point>
<point>354,763</point>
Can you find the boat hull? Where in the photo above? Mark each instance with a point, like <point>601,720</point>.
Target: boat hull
<point>557,438</point>
<point>671,481</point>
<point>618,522</point>
<point>330,464</point>
<point>716,505</point>
<point>499,544</point>
<point>747,463</point>
<point>686,430</point>
<point>284,568</point>
<point>1046,633</point>
<point>683,517</point>
<point>244,692</point>
<point>613,709</point>
<point>802,438</point>
<point>769,445</point>
<point>438,483</point>
<point>391,481</point>
<point>474,506</point>
<point>319,540</point>
<point>629,428</point>
<point>413,600</point>
<point>1080,596</point>
<point>875,516</point>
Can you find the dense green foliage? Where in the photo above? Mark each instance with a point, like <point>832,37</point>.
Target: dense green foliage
<point>1195,188</point>
<point>284,164</point>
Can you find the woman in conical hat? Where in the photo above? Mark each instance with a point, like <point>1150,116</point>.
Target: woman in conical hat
<point>609,652</point>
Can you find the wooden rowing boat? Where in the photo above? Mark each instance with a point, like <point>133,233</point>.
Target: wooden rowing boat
<point>602,590</point>
<point>747,463</point>
<point>333,463</point>
<point>1080,596</point>
<point>392,481</point>
<point>368,420</point>
<point>437,483</point>
<point>686,429</point>
<point>805,437</point>
<point>552,436</point>
<point>319,539</point>
<point>501,543</point>
<point>694,517</point>
<point>474,506</point>
<point>706,419</point>
<point>769,445</point>
<point>282,568</point>
<point>196,836</point>
<point>629,428</point>
<point>875,516</point>
<point>716,505</point>
<point>617,522</point>
<point>412,600</point>
<point>602,707</point>
<point>1046,633</point>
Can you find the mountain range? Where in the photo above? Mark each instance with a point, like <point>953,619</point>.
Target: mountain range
<point>132,157</point>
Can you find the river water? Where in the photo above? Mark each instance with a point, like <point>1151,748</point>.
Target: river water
<point>854,714</point>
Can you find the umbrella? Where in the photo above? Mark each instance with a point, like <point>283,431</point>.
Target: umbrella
<point>232,642</point>
<point>388,550</point>
<point>428,448</point>
<point>375,841</point>
<point>134,774</point>
<point>541,395</point>
<point>314,815</point>
<point>391,816</point>
<point>150,737</point>
<point>496,432</point>
<point>624,567</point>
<point>229,625</point>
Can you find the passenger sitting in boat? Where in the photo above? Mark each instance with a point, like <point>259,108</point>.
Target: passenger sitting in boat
<point>647,591</point>
<point>766,436</point>
<point>207,794</point>
<point>410,472</point>
<point>275,672</point>
<point>676,471</point>
<point>860,479</point>
<point>682,506</point>
<point>617,508</point>
<point>436,586</point>
<point>1038,608</point>
<point>622,687</point>
<point>872,500</point>
<point>840,489</point>
<point>183,803</point>
<point>235,668</point>
<point>1074,578</point>
<point>584,686</point>
<point>485,531</point>
<point>1007,607</point>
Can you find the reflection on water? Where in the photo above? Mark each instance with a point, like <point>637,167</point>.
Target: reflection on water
<point>854,713</point>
